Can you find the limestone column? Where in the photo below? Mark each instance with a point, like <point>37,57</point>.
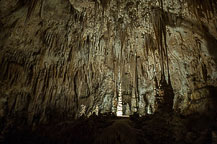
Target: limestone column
<point>119,106</point>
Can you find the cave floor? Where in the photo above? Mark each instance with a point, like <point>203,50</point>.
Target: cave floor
<point>160,128</point>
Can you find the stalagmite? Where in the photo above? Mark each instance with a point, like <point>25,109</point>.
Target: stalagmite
<point>119,106</point>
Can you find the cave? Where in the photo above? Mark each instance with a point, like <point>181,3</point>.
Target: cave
<point>108,71</point>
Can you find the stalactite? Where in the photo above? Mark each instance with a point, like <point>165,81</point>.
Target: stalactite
<point>149,45</point>
<point>41,8</point>
<point>158,18</point>
<point>208,8</point>
<point>165,94</point>
<point>31,8</point>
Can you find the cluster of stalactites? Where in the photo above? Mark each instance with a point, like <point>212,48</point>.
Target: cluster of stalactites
<point>202,8</point>
<point>31,4</point>
<point>158,19</point>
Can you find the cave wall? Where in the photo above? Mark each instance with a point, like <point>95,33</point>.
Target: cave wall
<point>61,58</point>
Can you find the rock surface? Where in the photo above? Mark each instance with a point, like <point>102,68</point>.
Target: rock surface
<point>62,59</point>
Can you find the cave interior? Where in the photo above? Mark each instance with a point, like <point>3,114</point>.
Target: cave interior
<point>108,71</point>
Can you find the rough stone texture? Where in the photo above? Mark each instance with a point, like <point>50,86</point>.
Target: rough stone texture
<point>61,58</point>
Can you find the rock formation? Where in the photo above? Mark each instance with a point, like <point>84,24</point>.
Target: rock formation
<point>63,58</point>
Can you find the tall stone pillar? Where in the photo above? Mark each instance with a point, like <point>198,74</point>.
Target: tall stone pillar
<point>119,106</point>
